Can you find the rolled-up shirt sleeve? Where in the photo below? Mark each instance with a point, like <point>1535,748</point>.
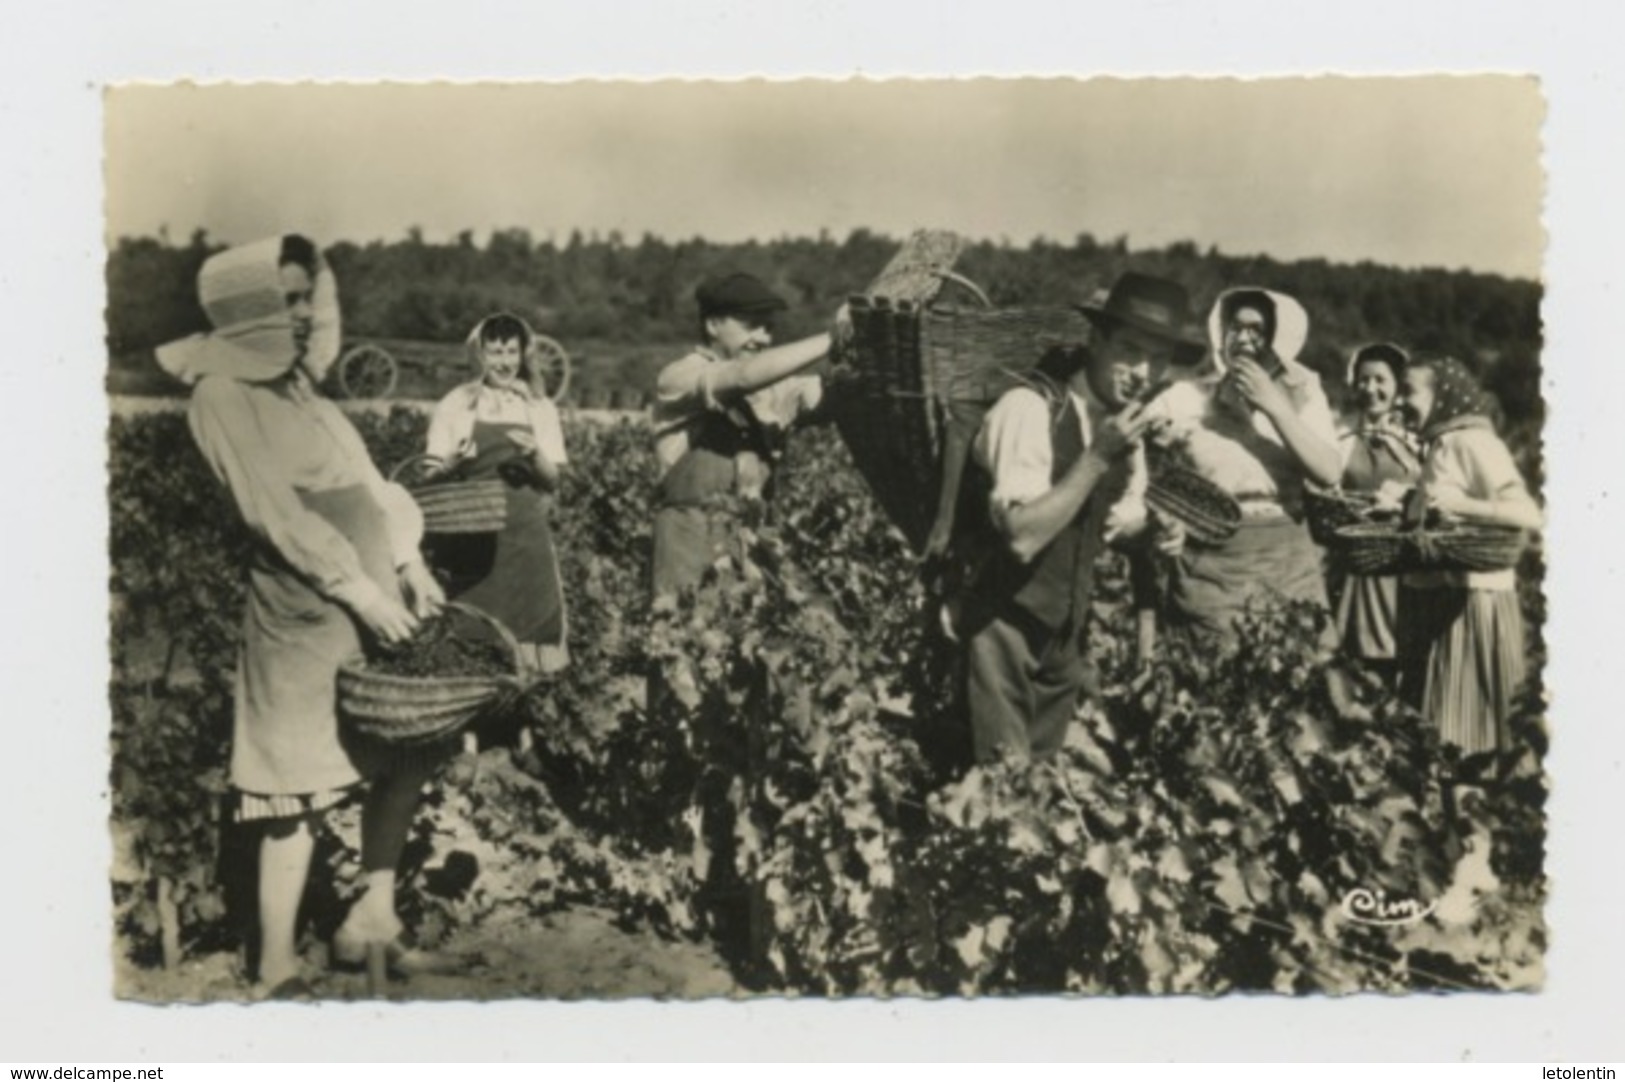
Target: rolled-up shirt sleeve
<point>686,385</point>
<point>227,432</point>
<point>1013,445</point>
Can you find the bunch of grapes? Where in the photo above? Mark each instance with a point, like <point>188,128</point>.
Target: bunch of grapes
<point>446,645</point>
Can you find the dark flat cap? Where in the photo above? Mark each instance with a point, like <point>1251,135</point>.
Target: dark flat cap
<point>737,295</point>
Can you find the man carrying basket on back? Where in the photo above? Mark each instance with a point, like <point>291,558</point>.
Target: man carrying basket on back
<point>1066,475</point>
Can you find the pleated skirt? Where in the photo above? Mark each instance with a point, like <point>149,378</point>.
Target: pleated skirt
<point>1463,659</point>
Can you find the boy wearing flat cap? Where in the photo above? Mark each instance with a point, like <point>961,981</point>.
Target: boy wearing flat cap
<point>720,415</point>
<point>1062,458</point>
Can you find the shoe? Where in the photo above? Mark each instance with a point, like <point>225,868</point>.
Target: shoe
<point>387,951</point>
<point>291,990</point>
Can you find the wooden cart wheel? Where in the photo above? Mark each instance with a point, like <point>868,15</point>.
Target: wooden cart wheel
<point>367,372</point>
<point>552,366</point>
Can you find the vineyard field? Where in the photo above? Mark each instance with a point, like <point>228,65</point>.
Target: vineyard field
<point>796,815</point>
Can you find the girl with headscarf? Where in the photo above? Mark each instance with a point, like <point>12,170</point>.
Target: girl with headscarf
<point>1461,639</point>
<point>336,565</point>
<point>1379,453</point>
<point>502,425</point>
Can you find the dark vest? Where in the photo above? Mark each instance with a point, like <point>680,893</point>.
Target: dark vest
<point>708,469</point>
<point>1055,587</point>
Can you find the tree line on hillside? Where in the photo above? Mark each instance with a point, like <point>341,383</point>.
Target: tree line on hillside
<point>607,289</point>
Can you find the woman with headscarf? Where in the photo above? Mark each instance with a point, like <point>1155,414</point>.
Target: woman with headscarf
<point>336,565</point>
<point>1461,639</point>
<point>1256,423</point>
<point>502,425</point>
<point>1379,454</point>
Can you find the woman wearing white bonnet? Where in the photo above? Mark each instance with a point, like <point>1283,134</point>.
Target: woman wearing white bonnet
<point>336,560</point>
<point>1256,423</point>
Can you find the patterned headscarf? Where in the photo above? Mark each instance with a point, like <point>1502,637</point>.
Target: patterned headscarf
<point>1458,399</point>
<point>241,292</point>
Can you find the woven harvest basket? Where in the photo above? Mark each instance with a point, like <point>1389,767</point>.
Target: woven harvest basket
<point>394,709</point>
<point>1329,510</point>
<point>925,375</point>
<point>1387,549</point>
<point>456,507</point>
<point>1208,513</point>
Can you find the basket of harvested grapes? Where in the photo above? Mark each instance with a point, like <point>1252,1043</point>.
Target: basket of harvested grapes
<point>1330,509</point>
<point>451,505</point>
<point>1209,514</point>
<point>1394,548</point>
<point>461,664</point>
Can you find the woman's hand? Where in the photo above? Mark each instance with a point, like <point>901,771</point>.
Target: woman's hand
<point>1390,497</point>
<point>422,590</point>
<point>539,470</point>
<point>387,618</point>
<point>841,334</point>
<point>440,467</point>
<point>1258,389</point>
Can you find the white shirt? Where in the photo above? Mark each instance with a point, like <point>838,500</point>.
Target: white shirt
<point>1262,470</point>
<point>452,422</point>
<point>684,392</point>
<point>1475,463</point>
<point>1014,446</point>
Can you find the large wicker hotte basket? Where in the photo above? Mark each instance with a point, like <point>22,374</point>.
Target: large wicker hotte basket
<point>925,375</point>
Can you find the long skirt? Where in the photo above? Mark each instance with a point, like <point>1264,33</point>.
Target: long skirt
<point>1462,661</point>
<point>1367,616</point>
<point>512,575</point>
<point>1211,586</point>
<point>289,754</point>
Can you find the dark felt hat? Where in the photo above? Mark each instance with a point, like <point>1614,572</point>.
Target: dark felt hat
<point>1153,305</point>
<point>737,295</point>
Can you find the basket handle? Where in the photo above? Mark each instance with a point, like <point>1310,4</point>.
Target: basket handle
<point>401,467</point>
<point>507,637</point>
<point>960,280</point>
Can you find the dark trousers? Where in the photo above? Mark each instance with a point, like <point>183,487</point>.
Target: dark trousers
<point>1023,683</point>
<point>687,540</point>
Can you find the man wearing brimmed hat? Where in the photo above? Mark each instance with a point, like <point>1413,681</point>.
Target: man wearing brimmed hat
<point>1066,475</point>
<point>720,415</point>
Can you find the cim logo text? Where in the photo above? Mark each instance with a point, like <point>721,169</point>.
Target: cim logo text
<point>1375,907</point>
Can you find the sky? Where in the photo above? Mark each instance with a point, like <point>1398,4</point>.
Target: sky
<point>1422,171</point>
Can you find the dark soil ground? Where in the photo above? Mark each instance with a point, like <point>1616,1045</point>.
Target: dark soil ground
<point>575,954</point>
